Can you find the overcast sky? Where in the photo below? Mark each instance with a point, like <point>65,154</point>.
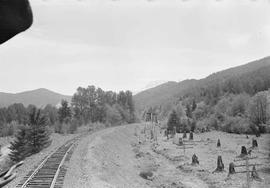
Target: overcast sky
<point>127,44</point>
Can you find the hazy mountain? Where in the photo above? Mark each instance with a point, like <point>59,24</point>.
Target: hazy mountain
<point>39,97</point>
<point>171,91</point>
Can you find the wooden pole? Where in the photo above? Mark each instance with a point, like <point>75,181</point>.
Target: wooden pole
<point>247,169</point>
<point>184,148</point>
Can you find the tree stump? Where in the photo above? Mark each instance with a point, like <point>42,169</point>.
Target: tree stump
<point>220,165</point>
<point>167,134</point>
<point>203,130</point>
<point>185,135</point>
<point>218,143</point>
<point>231,169</point>
<point>243,151</point>
<point>146,175</point>
<point>195,160</point>
<point>181,143</point>
<point>191,135</point>
<point>254,143</point>
<point>254,174</point>
<point>151,135</point>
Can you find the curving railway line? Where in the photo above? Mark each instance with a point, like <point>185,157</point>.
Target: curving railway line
<point>50,173</point>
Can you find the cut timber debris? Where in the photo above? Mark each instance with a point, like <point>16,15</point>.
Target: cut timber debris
<point>195,160</point>
<point>220,165</point>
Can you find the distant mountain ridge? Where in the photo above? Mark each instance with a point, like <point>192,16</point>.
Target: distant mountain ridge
<point>39,97</point>
<point>170,92</point>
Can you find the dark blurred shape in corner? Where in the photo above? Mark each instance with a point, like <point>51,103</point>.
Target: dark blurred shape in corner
<point>15,16</point>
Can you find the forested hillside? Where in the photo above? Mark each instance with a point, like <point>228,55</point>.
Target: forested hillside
<point>224,100</point>
<point>171,91</point>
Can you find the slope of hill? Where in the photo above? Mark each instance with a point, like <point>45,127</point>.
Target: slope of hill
<point>171,91</point>
<point>39,97</point>
<point>161,94</point>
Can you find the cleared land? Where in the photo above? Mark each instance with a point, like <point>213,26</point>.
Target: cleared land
<point>115,157</point>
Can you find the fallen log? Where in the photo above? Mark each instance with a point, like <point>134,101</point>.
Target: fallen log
<point>10,171</point>
<point>245,158</point>
<point>3,173</point>
<point>241,165</point>
<point>6,181</point>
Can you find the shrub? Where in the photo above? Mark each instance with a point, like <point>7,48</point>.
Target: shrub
<point>173,121</point>
<point>113,117</point>
<point>73,126</point>
<point>19,148</point>
<point>200,125</point>
<point>212,123</point>
<point>97,126</point>
<point>236,125</point>
<point>58,128</point>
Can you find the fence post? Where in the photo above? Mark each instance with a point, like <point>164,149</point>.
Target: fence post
<point>247,169</point>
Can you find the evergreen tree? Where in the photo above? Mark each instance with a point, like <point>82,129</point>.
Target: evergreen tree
<point>194,105</point>
<point>173,121</point>
<point>188,111</point>
<point>64,112</point>
<point>38,135</point>
<point>18,147</point>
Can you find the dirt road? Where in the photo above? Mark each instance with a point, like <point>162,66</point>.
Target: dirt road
<point>115,157</point>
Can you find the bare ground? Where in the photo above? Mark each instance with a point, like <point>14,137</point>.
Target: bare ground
<point>115,157</point>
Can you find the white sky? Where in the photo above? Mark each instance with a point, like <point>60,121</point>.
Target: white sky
<point>125,44</point>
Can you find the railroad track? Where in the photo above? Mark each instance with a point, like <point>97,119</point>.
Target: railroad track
<point>50,173</point>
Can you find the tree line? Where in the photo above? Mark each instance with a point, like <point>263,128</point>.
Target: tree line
<point>88,105</point>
